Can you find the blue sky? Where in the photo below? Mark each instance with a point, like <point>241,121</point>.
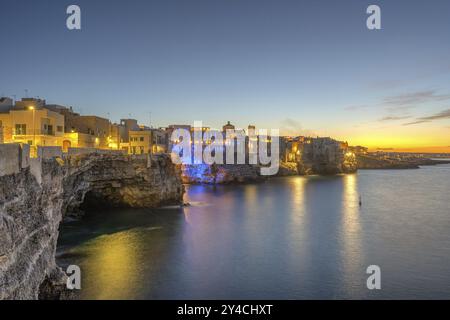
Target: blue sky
<point>305,66</point>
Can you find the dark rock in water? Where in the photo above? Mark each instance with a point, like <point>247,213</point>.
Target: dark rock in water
<point>54,287</point>
<point>220,174</point>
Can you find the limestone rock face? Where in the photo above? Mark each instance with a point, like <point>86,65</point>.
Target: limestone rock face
<point>34,199</point>
<point>29,219</point>
<point>288,169</point>
<point>220,174</point>
<point>326,156</point>
<point>119,180</point>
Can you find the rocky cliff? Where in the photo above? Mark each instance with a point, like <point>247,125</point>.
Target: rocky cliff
<point>220,174</point>
<point>30,213</point>
<point>326,156</point>
<point>323,156</point>
<point>118,180</point>
<point>35,194</point>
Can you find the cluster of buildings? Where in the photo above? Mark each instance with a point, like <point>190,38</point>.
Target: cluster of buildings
<point>34,122</point>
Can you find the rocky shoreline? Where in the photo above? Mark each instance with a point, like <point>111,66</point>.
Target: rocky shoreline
<point>36,194</point>
<point>220,174</point>
<point>376,162</point>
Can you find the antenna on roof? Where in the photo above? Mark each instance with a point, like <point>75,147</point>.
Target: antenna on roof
<point>150,119</point>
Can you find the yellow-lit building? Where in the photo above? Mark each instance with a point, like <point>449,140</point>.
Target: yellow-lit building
<point>96,127</point>
<point>77,140</point>
<point>147,140</point>
<point>159,141</point>
<point>291,148</point>
<point>32,124</point>
<point>140,141</point>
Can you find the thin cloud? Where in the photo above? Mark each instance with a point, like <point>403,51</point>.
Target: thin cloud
<point>394,118</point>
<point>444,114</point>
<point>415,122</point>
<point>404,102</point>
<point>414,98</point>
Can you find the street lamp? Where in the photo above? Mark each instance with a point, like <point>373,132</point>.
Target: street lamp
<point>34,126</point>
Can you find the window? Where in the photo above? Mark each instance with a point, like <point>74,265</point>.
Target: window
<point>142,138</point>
<point>50,129</point>
<point>59,128</point>
<point>21,129</point>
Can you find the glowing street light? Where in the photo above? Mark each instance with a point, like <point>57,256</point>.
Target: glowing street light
<point>34,126</point>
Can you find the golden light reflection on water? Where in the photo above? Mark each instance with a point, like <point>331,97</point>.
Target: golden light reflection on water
<point>251,193</point>
<point>351,226</point>
<point>114,262</point>
<point>298,185</point>
<point>298,202</point>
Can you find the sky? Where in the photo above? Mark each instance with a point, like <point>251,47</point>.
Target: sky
<point>305,67</point>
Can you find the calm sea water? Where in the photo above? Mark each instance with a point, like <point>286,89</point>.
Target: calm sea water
<point>288,238</point>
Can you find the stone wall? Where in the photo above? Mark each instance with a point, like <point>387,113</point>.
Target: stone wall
<point>49,152</point>
<point>10,159</point>
<point>81,151</point>
<point>78,151</point>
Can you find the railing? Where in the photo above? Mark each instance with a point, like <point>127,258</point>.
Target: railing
<point>31,132</point>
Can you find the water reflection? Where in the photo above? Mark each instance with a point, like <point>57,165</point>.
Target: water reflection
<point>352,258</point>
<point>112,270</point>
<point>298,197</point>
<point>288,238</point>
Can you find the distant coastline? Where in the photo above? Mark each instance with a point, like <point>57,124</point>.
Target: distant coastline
<point>387,161</point>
